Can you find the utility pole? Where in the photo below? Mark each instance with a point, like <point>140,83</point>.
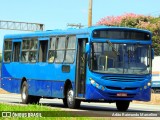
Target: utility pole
<point>90,14</point>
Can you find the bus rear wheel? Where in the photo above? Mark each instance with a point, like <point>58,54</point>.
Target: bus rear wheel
<point>71,101</point>
<point>26,99</point>
<point>122,105</point>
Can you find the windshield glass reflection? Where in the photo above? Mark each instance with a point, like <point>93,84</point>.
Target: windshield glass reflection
<point>120,58</point>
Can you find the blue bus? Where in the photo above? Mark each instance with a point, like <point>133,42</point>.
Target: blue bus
<point>95,64</point>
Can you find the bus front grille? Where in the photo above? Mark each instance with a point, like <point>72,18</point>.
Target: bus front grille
<point>124,78</point>
<point>119,88</point>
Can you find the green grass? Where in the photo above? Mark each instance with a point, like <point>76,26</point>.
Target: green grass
<point>46,112</point>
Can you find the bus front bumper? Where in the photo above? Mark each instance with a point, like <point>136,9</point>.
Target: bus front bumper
<point>97,93</point>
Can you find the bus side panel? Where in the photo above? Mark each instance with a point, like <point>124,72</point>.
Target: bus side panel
<point>57,89</point>
<point>40,88</point>
<point>46,88</point>
<point>9,83</point>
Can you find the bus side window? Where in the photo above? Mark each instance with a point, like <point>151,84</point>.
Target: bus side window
<point>29,50</point>
<point>70,51</point>
<point>25,50</point>
<point>7,56</point>
<point>60,50</point>
<point>51,53</point>
<point>7,50</point>
<point>33,50</point>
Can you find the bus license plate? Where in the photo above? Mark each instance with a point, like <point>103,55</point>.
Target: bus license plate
<point>121,94</point>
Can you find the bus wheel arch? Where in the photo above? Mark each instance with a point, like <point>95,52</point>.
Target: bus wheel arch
<point>24,92</point>
<point>23,79</point>
<point>69,99</point>
<point>26,98</point>
<point>66,86</point>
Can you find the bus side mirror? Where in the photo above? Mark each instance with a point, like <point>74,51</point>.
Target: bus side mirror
<point>87,47</point>
<point>152,53</point>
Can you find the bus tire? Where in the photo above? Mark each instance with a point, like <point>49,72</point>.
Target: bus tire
<point>26,99</point>
<point>122,105</point>
<point>24,93</point>
<point>71,101</point>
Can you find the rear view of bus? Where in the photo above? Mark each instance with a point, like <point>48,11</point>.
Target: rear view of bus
<point>119,61</point>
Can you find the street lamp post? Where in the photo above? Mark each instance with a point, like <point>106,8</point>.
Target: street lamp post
<point>90,14</point>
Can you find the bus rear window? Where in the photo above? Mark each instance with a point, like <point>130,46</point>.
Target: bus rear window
<point>121,34</point>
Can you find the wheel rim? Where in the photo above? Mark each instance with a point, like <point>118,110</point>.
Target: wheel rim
<point>24,92</point>
<point>70,97</point>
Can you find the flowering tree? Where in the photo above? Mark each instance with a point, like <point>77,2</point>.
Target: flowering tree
<point>136,21</point>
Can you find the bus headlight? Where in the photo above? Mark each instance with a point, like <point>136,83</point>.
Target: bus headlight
<point>97,85</point>
<point>149,84</point>
<point>102,88</point>
<point>92,81</point>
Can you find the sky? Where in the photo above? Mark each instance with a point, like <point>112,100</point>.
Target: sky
<point>56,14</point>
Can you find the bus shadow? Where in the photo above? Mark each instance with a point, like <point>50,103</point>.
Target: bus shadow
<point>84,107</point>
<point>89,108</point>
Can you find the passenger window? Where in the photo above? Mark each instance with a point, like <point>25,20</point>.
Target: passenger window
<point>8,45</point>
<point>69,56</point>
<point>33,50</point>
<point>71,42</point>
<point>70,51</point>
<point>26,44</point>
<point>7,50</point>
<point>51,53</point>
<point>29,50</point>
<point>60,50</point>
<point>52,43</point>
<point>34,44</point>
<point>59,56</point>
<point>25,50</point>
<point>25,56</point>
<point>32,56</point>
<point>61,43</point>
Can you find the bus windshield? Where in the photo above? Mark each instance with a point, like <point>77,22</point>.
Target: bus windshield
<point>120,58</point>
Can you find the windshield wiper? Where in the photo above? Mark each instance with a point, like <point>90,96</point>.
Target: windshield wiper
<point>114,49</point>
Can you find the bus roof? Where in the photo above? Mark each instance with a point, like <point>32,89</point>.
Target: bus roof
<point>73,31</point>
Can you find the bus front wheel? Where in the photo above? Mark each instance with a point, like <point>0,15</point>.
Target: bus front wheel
<point>71,101</point>
<point>122,105</point>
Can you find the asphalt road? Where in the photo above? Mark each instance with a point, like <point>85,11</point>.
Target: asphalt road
<point>93,108</point>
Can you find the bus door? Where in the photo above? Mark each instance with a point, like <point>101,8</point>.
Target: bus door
<point>16,50</point>
<point>81,68</point>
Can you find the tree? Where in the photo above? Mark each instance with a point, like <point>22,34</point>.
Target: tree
<point>136,21</point>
